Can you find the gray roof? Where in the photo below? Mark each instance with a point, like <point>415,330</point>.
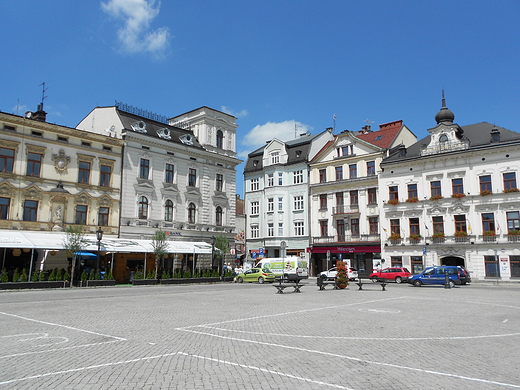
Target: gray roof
<point>297,151</point>
<point>152,127</point>
<point>478,135</point>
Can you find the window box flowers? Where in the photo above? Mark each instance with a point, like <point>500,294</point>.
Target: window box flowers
<point>394,237</point>
<point>412,200</point>
<point>507,191</point>
<point>460,233</point>
<point>460,195</point>
<point>393,202</point>
<point>438,235</point>
<point>489,233</point>
<point>486,192</point>
<point>415,237</point>
<point>514,232</point>
<point>436,197</point>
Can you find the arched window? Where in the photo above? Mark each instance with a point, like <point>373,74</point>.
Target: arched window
<point>168,211</point>
<point>143,208</point>
<point>191,213</point>
<point>220,139</point>
<point>443,141</point>
<point>218,216</point>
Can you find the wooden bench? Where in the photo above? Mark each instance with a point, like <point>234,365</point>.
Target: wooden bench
<point>322,283</point>
<point>283,284</point>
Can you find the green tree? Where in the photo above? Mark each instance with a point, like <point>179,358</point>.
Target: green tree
<point>74,242</point>
<point>160,245</point>
<point>221,248</point>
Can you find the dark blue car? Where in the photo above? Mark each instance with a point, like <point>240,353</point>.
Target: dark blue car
<point>437,275</point>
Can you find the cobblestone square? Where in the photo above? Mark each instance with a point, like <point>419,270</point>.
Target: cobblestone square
<point>245,336</point>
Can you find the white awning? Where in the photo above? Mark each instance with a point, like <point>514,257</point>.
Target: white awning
<point>56,240</point>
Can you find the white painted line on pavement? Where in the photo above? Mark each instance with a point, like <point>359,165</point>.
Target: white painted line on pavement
<point>359,360</point>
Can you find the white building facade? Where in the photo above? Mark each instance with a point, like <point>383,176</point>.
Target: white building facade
<point>452,199</point>
<point>277,195</point>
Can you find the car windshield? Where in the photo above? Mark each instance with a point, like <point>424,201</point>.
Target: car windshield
<point>406,270</point>
<point>266,270</point>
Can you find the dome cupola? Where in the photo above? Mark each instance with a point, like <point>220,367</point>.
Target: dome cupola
<point>445,115</point>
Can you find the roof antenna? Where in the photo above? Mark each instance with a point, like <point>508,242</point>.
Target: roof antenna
<point>40,106</point>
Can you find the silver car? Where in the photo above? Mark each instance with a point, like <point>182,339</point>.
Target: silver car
<point>331,273</point>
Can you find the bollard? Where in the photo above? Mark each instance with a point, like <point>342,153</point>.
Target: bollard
<point>447,280</point>
<point>383,284</point>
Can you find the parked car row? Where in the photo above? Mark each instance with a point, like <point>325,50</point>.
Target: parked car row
<point>457,275</point>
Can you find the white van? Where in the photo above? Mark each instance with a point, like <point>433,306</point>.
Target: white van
<point>293,268</point>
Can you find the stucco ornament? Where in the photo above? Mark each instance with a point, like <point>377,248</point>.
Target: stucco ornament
<point>61,162</point>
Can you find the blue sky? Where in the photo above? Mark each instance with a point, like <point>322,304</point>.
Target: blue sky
<point>273,64</point>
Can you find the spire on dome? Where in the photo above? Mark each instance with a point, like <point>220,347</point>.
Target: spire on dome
<point>444,115</point>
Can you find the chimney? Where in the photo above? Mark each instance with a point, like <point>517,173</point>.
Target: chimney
<point>39,115</point>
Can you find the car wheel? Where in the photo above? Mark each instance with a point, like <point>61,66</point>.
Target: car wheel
<point>452,284</point>
<point>417,283</point>
<point>261,280</point>
<point>398,279</point>
<point>375,279</point>
<point>240,280</point>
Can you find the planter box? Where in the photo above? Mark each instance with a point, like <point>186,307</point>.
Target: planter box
<point>145,282</point>
<point>190,280</point>
<point>33,285</point>
<point>97,283</point>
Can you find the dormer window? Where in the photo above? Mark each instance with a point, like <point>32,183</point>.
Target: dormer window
<point>275,157</point>
<point>345,150</point>
<point>187,139</point>
<point>443,141</point>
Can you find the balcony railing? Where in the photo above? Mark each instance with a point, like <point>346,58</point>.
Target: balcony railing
<point>470,239</point>
<point>345,209</point>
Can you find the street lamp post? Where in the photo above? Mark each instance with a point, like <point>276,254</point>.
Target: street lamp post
<point>212,250</point>
<point>99,236</point>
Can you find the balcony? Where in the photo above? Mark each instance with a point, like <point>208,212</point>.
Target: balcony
<point>346,239</point>
<point>350,209</point>
<point>457,240</point>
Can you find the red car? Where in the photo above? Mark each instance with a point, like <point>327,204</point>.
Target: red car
<point>397,274</point>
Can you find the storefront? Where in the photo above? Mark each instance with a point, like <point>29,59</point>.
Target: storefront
<point>360,257</point>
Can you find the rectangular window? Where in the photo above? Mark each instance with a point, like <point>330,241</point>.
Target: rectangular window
<point>103,216</point>
<point>192,177</point>
<point>352,169</point>
<point>340,230</point>
<point>84,172</point>
<point>395,227</point>
<point>373,225</point>
<point>412,191</point>
<point>435,187</point>
<point>324,228</point>
<point>298,177</point>
<point>255,208</point>
<point>81,215</point>
<point>255,184</point>
<point>460,223</point>
<point>298,202</point>
<point>34,164</point>
<point>270,180</point>
<point>417,264</point>
<point>270,229</point>
<point>514,262</point>
<point>6,160</point>
<point>280,229</point>
<point>510,181</point>
<point>280,178</point>
<point>168,173</point>
<point>513,220</point>
<point>371,168</point>
<point>414,226</point>
<point>457,186</point>
<point>275,157</point>
<point>323,175</point>
<point>30,210</point>
<point>280,204</point>
<point>323,201</point>
<point>270,205</point>
<point>345,150</point>
<point>485,183</point>
<point>219,182</point>
<point>438,225</point>
<point>354,198</point>
<point>4,208</point>
<point>393,193</point>
<point>372,196</point>
<point>354,227</point>
<point>144,168</point>
<point>339,173</point>
<point>104,175</point>
<point>298,229</point>
<point>491,264</point>
<point>396,261</point>
<point>488,222</point>
<point>255,231</point>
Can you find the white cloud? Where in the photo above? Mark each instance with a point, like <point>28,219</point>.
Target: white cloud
<point>135,34</point>
<point>260,134</point>
<point>237,114</point>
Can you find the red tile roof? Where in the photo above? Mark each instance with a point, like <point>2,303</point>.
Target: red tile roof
<point>385,136</point>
